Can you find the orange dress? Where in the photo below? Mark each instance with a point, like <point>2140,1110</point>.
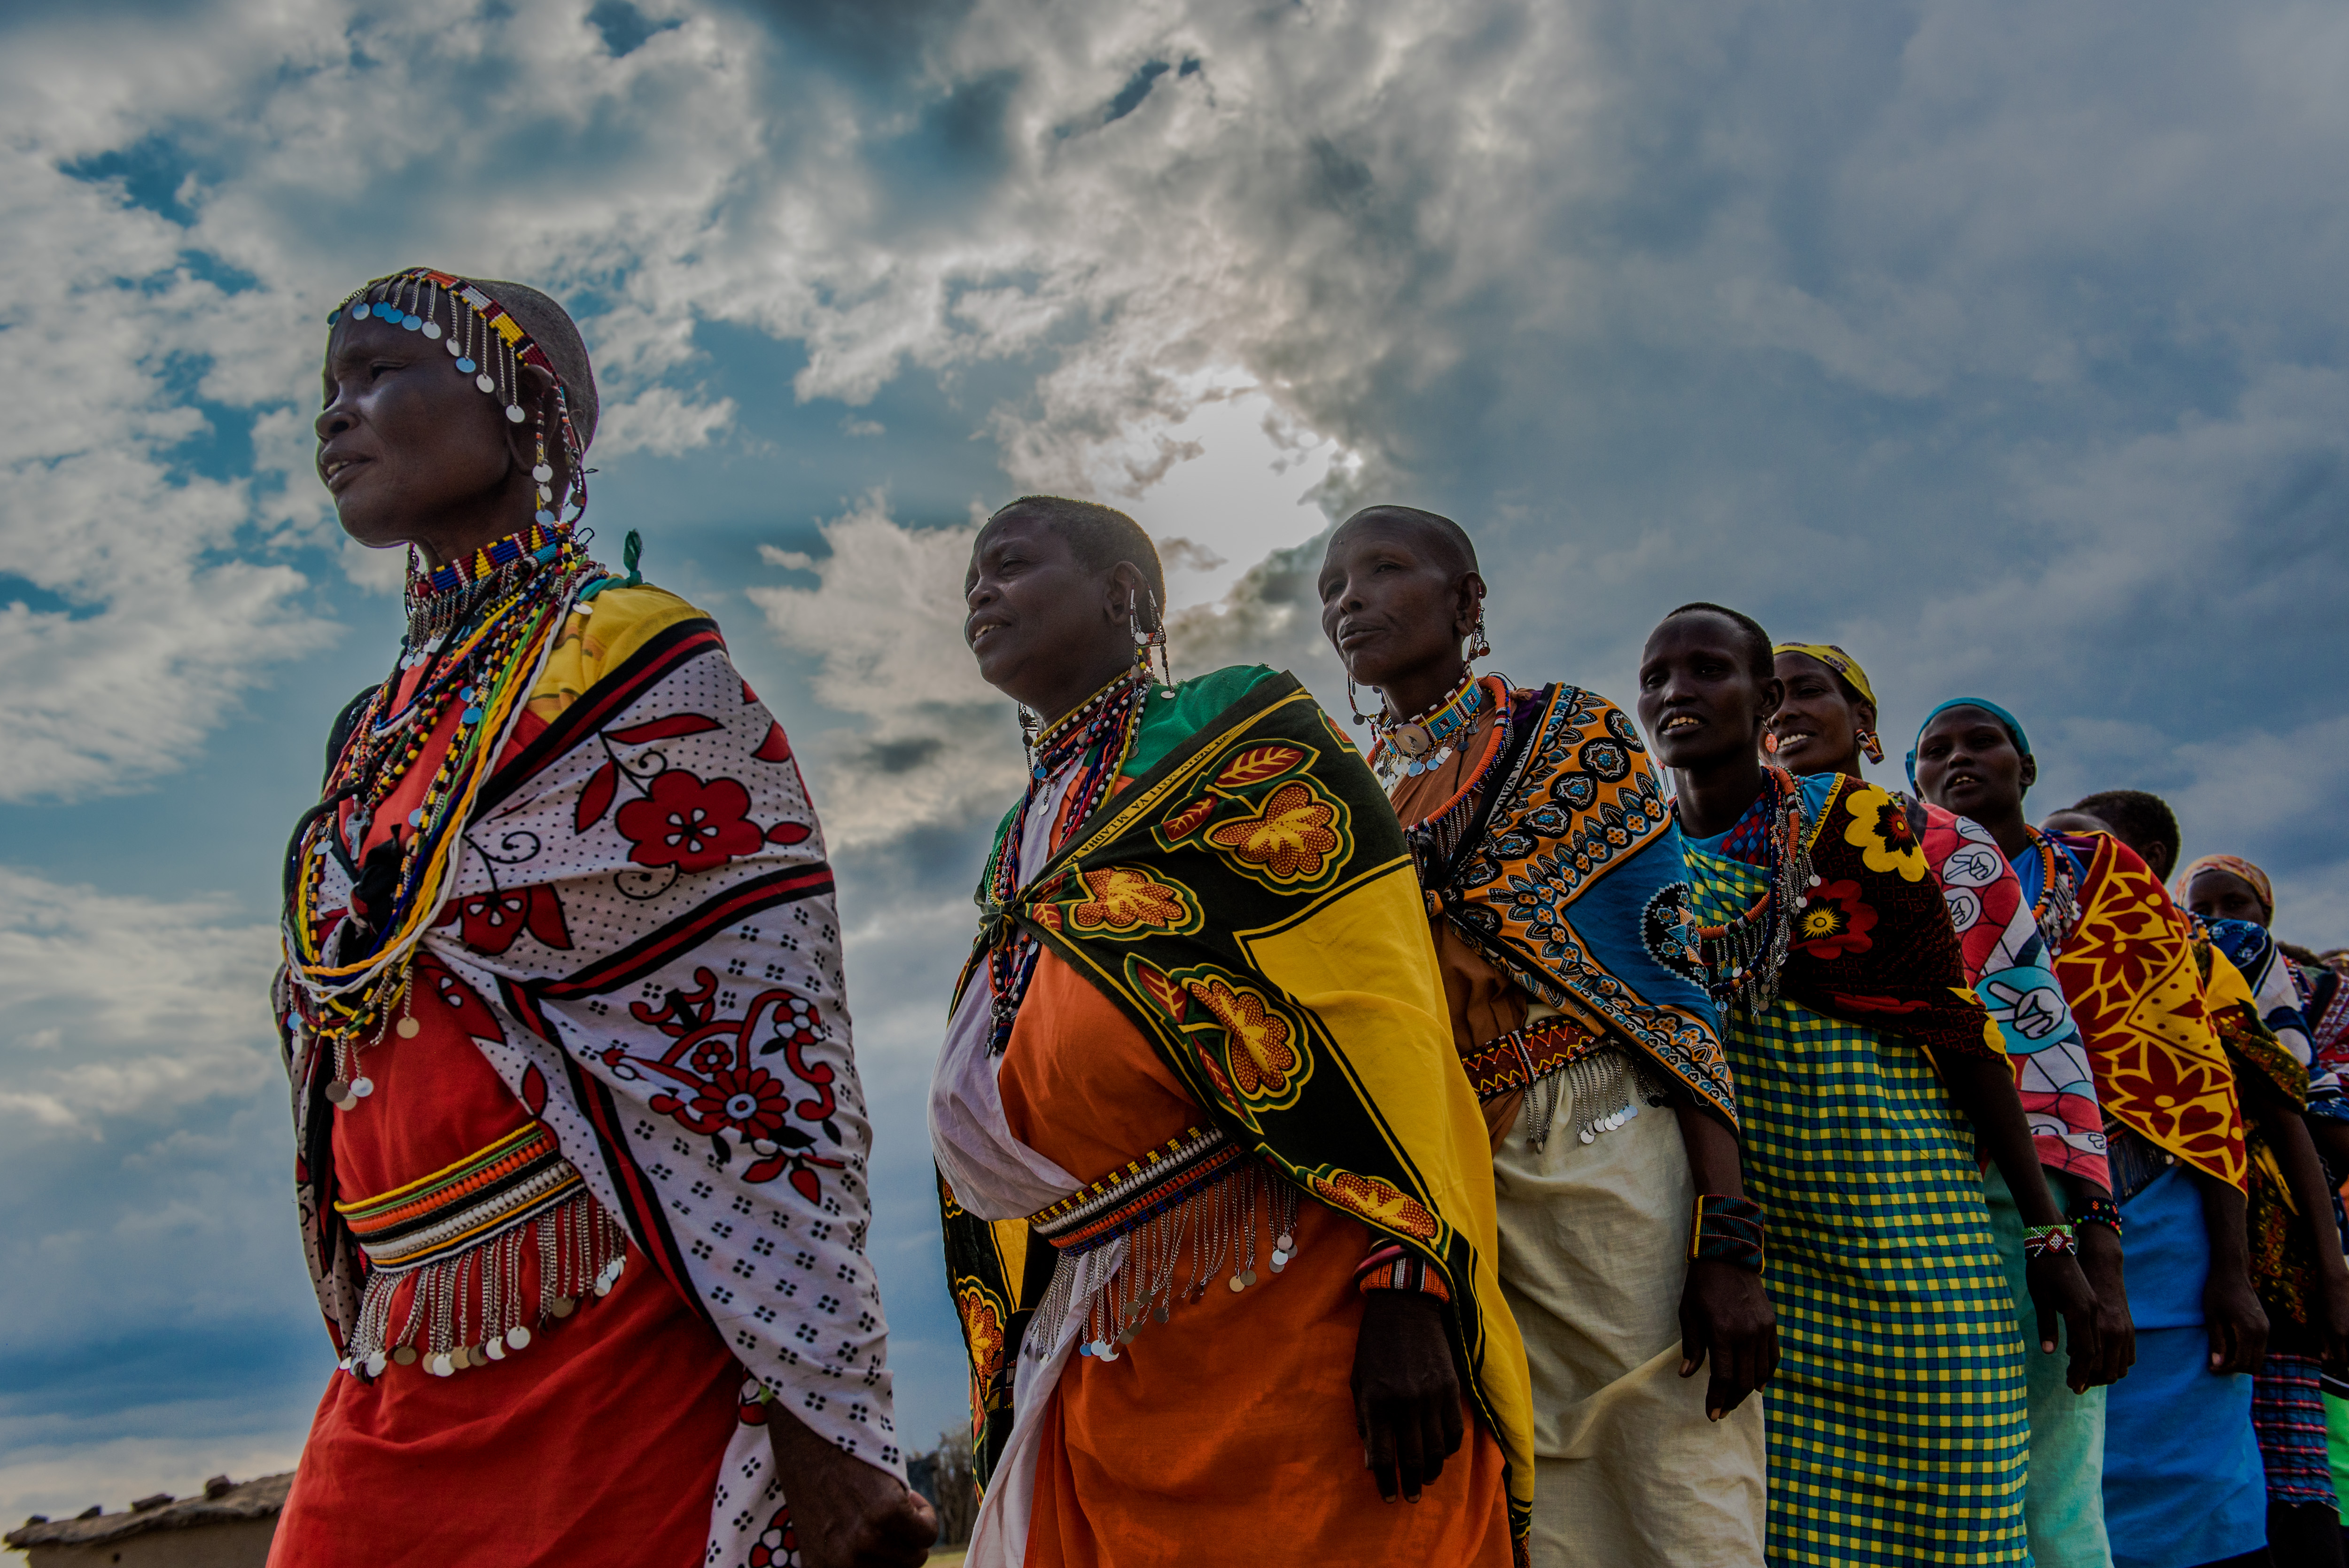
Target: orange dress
<point>1226,1434</point>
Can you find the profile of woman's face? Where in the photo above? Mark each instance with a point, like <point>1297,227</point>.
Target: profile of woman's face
<point>404,437</point>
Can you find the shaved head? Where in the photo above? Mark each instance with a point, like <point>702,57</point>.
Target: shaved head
<point>1439,535</point>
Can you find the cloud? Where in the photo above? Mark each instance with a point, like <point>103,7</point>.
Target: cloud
<point>114,1006</point>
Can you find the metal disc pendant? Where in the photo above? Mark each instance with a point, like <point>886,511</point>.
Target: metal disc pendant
<point>454,351</point>
<point>431,329</point>
<point>338,1092</point>
<point>1411,739</point>
<point>563,1307</point>
<point>360,311</point>
<point>405,1356</point>
<point>1587,1136</point>
<point>1248,1278</point>
<point>465,367</point>
<point>514,413</point>
<point>518,1338</point>
<point>495,1349</point>
<point>1237,1284</point>
<point>542,473</point>
<point>484,382</point>
<point>1285,1241</point>
<point>407,1028</point>
<point>1280,1262</point>
<point>361,1087</point>
<point>376,1364</point>
<point>1161,1313</point>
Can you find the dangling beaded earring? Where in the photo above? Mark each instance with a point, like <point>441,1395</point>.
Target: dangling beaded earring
<point>542,472</point>
<point>1354,703</point>
<point>1149,643</point>
<point>1479,645</point>
<point>1871,745</point>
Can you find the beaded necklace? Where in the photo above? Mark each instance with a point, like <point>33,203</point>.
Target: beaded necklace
<point>1435,840</point>
<point>1099,735</point>
<point>2057,908</point>
<point>1743,957</point>
<point>352,965</point>
<point>1414,745</point>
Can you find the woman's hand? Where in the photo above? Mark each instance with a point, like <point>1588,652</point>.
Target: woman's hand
<point>2100,1260</point>
<point>1406,1393</point>
<point>2059,1289</point>
<point>846,1513</point>
<point>1725,1315</point>
<point>2237,1323</point>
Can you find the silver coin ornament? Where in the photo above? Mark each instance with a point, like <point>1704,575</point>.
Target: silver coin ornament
<point>431,329</point>
<point>518,1338</point>
<point>1411,739</point>
<point>405,1356</point>
<point>484,382</point>
<point>514,413</point>
<point>544,473</point>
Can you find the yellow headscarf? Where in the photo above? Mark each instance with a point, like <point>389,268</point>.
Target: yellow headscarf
<point>1835,659</point>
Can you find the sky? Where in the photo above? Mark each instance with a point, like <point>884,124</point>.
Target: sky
<point>2002,343</point>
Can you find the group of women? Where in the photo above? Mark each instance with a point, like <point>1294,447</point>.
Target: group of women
<point>1540,1131</point>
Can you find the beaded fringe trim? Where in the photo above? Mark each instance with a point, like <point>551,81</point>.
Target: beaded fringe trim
<point>1606,1088</point>
<point>1211,1234</point>
<point>469,1308</point>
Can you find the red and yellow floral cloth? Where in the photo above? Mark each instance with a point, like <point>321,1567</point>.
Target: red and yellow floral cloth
<point>2128,970</point>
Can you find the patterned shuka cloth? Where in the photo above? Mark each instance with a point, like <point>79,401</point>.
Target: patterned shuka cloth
<point>1245,899</point>
<point>1897,1421</point>
<point>2009,968</point>
<point>641,944</point>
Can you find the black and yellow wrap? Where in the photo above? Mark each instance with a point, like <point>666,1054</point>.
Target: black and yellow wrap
<point>1249,903</point>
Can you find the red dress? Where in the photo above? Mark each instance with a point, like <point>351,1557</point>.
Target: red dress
<point>599,1443</point>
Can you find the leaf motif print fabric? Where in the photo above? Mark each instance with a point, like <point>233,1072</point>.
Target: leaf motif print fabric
<point>1302,1011</point>
<point>2128,971</point>
<point>2007,963</point>
<point>642,936</point>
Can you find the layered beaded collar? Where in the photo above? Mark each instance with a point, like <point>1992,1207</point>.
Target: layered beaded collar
<point>438,599</point>
<point>1412,745</point>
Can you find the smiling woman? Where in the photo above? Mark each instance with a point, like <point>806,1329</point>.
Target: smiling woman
<point>585,1220</point>
<point>1865,1069</point>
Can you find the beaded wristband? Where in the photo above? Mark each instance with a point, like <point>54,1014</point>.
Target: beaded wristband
<point>1727,1229</point>
<point>1392,1268</point>
<point>2097,1211</point>
<point>2038,1240</point>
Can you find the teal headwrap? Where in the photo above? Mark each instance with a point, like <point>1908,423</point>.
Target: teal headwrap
<point>2013,726</point>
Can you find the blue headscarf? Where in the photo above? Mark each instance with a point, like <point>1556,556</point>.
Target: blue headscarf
<point>2013,726</point>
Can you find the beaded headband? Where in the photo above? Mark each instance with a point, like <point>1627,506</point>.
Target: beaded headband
<point>488,345</point>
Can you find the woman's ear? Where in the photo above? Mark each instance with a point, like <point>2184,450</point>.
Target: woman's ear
<point>1471,604</point>
<point>1774,692</point>
<point>2029,774</point>
<point>1863,716</point>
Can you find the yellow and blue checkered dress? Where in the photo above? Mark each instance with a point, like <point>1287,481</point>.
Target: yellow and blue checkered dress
<point>1897,1419</point>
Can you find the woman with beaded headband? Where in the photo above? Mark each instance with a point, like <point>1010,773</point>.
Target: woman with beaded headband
<point>580,1148</point>
<point>1825,725</point>
<point>1218,1209</point>
<point>1628,1250</point>
<point>1868,1075</point>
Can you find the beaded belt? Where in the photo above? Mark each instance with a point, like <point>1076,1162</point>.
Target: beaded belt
<point>1520,1057</point>
<point>493,1190</point>
<point>1129,1197</point>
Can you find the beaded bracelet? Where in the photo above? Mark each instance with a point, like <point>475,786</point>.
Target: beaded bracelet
<point>1727,1229</point>
<point>2097,1211</point>
<point>2048,1240</point>
<point>1392,1268</point>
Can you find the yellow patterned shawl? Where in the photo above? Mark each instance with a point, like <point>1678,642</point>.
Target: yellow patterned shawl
<point>2128,970</point>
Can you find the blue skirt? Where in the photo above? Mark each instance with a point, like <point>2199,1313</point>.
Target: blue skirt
<point>2183,1481</point>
